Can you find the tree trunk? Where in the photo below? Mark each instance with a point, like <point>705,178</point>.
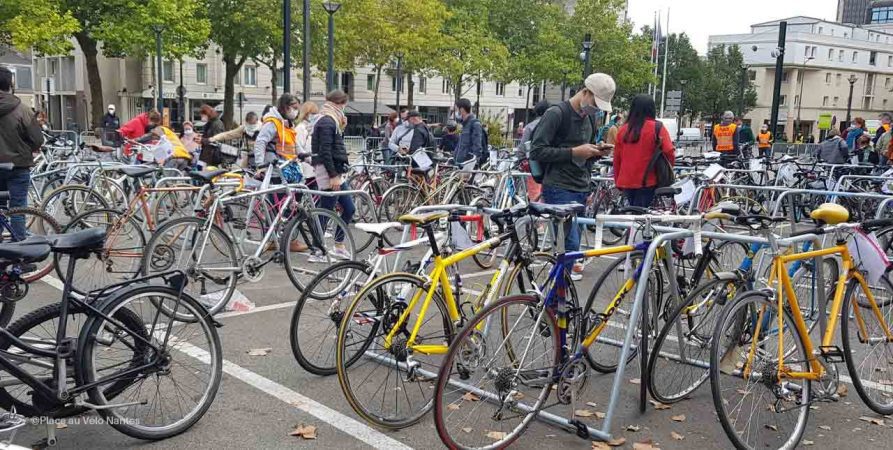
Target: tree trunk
<point>274,93</point>
<point>410,88</point>
<point>229,89</point>
<point>458,88</point>
<point>375,95</point>
<point>527,107</point>
<point>97,103</point>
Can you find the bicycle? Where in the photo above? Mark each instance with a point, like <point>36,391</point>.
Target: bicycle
<point>765,370</point>
<point>121,344</point>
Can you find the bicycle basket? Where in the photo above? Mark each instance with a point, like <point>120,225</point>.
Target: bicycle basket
<point>292,173</point>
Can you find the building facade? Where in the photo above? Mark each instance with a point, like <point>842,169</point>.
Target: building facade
<point>853,11</point>
<point>820,61</point>
<point>22,72</point>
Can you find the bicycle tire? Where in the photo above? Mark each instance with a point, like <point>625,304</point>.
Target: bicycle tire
<point>90,343</point>
<point>366,212</point>
<point>305,227</point>
<point>77,199</point>
<point>330,319</point>
<point>400,199</point>
<point>884,366</point>
<point>46,226</point>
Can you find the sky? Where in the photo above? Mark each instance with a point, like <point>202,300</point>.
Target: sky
<point>701,18</point>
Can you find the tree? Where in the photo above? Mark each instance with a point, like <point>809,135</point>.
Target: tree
<point>36,25</point>
<point>723,82</point>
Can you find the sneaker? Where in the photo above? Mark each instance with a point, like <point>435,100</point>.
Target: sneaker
<point>318,258</point>
<point>340,252</point>
<point>577,272</point>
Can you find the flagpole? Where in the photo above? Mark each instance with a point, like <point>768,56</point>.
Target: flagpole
<point>653,41</point>
<point>657,33</point>
<point>663,88</point>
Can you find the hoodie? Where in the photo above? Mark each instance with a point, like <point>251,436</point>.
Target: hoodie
<point>20,134</point>
<point>265,144</point>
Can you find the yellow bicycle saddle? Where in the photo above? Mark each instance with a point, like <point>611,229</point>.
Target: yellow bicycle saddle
<point>830,213</point>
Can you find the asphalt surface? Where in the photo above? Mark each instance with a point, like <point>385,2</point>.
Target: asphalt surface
<point>263,398</point>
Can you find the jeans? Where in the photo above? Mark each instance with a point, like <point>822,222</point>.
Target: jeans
<point>16,181</point>
<point>387,156</point>
<point>347,210</point>
<point>556,196</point>
<point>640,197</point>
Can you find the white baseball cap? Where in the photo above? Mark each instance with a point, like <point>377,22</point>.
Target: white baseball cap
<point>602,87</point>
<point>112,107</point>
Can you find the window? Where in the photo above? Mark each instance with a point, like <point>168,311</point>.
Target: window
<point>394,84</point>
<point>535,97</point>
<point>882,14</point>
<point>837,79</point>
<point>370,82</point>
<point>828,78</point>
<point>796,100</point>
<point>167,71</point>
<point>812,52</point>
<point>872,58</point>
<point>752,75</point>
<point>806,52</point>
<point>836,100</point>
<point>21,78</point>
<point>869,84</point>
<point>783,100</point>
<point>825,101</point>
<point>830,54</point>
<point>840,55</point>
<point>885,104</point>
<point>855,56</point>
<point>887,83</point>
<point>201,73</point>
<point>249,76</point>
<point>821,29</point>
<point>866,103</point>
<point>890,61</point>
<point>799,76</point>
<point>500,89</point>
<point>520,91</point>
<point>784,76</point>
<point>423,85</point>
<point>280,78</point>
<point>446,87</point>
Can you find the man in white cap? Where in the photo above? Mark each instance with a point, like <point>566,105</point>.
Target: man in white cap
<point>110,120</point>
<point>564,145</point>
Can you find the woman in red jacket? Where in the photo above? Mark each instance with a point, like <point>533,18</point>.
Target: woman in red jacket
<point>634,149</point>
<point>139,126</point>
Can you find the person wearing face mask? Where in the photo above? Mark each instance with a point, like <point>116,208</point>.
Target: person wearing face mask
<point>246,133</point>
<point>110,120</point>
<point>139,128</point>
<point>472,137</point>
<point>189,139</point>
<point>180,157</point>
<point>304,130</point>
<point>331,163</point>
<point>564,146</point>
<point>277,134</point>
<point>213,126</point>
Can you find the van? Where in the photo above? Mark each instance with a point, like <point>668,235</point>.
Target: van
<point>672,126</point>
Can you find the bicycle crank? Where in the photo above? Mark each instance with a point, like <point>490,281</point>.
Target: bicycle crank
<point>253,269</point>
<point>573,380</point>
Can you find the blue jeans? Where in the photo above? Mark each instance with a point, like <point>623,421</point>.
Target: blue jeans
<point>557,196</point>
<point>347,210</point>
<point>16,181</point>
<point>639,197</point>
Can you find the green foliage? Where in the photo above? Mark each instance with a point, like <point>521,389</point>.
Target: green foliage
<point>495,129</point>
<point>38,25</point>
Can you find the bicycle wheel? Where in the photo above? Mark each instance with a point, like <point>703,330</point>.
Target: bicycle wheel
<point>173,204</point>
<point>319,230</point>
<point>399,200</point>
<point>203,251</point>
<point>70,201</point>
<point>479,386</point>
<point>39,329</point>
<point>37,223</point>
<point>178,380</point>
<point>391,386</point>
<point>804,282</point>
<point>756,411</point>
<point>867,350</point>
<point>365,213</point>
<point>680,358</point>
<point>118,260</point>
<point>319,312</point>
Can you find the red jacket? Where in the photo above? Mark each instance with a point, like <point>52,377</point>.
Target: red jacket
<point>134,128</point>
<point>631,158</point>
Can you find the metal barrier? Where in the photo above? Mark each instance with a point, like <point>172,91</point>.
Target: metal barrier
<point>354,144</point>
<point>782,148</point>
<point>374,142</point>
<point>840,181</point>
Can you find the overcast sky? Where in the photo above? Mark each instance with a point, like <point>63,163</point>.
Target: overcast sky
<point>701,18</point>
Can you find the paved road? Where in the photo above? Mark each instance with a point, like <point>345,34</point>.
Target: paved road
<point>263,398</point>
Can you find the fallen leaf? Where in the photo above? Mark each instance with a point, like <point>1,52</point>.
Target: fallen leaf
<point>842,390</point>
<point>645,446</point>
<point>873,420</point>
<point>619,441</point>
<point>600,415</point>
<point>676,436</point>
<point>304,431</point>
<point>259,351</point>
<point>61,425</point>
<point>598,445</point>
<point>453,407</point>
<point>805,442</point>
<point>583,413</point>
<point>592,404</point>
<point>772,427</point>
<point>679,418</point>
<point>496,435</point>
<point>635,381</point>
<point>825,427</point>
<point>518,395</point>
<point>659,406</point>
<point>467,429</point>
<point>813,407</point>
<point>470,397</point>
<point>633,428</point>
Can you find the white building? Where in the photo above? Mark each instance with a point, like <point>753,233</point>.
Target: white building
<point>819,59</point>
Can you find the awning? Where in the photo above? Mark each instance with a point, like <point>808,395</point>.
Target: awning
<point>365,108</point>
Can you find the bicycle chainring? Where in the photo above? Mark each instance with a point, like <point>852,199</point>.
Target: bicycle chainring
<point>472,352</point>
<point>253,269</point>
<point>162,258</point>
<point>573,380</point>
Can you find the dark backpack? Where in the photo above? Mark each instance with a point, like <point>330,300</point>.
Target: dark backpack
<point>538,169</point>
<point>659,163</point>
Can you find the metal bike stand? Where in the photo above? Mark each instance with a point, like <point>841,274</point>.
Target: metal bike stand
<point>840,181</point>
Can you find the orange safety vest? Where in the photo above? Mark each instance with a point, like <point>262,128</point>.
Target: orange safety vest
<point>725,137</point>
<point>285,148</point>
<point>763,140</point>
<point>180,150</point>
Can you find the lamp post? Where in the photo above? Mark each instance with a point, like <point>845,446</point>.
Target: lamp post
<point>241,99</point>
<point>159,68</point>
<point>849,103</point>
<point>181,96</point>
<point>778,53</point>
<point>399,83</point>
<point>741,88</point>
<point>800,95</point>
<point>586,55</point>
<point>331,8</point>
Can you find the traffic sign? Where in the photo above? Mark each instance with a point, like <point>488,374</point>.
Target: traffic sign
<point>674,95</point>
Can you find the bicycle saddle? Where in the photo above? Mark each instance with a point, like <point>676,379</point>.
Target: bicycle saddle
<point>206,177</point>
<point>830,213</point>
<point>30,250</point>
<point>668,191</point>
<point>565,211</point>
<point>78,241</point>
<point>137,171</point>
<point>422,219</point>
<point>377,228</point>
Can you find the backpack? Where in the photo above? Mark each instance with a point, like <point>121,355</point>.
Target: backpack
<point>659,164</point>
<point>538,169</point>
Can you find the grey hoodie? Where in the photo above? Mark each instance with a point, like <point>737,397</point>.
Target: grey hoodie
<point>20,134</point>
<point>265,144</point>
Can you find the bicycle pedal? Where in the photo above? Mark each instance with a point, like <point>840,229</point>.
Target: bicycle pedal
<point>831,353</point>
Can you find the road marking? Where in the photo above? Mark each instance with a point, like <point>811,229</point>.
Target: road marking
<point>256,310</point>
<point>359,431</point>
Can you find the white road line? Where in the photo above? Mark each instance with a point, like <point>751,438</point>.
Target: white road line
<point>256,310</point>
<point>349,426</point>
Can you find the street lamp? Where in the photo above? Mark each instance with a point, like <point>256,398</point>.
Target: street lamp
<point>743,83</point>
<point>849,103</point>
<point>331,8</point>
<point>159,68</point>
<point>181,96</point>
<point>586,55</point>
<point>399,83</point>
<point>800,96</point>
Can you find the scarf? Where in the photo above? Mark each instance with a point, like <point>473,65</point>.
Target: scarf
<point>329,109</point>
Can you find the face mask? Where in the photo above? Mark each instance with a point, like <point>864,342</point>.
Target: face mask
<point>112,112</point>
<point>292,114</point>
<point>188,131</point>
<point>250,128</point>
<point>204,118</point>
<point>458,116</point>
